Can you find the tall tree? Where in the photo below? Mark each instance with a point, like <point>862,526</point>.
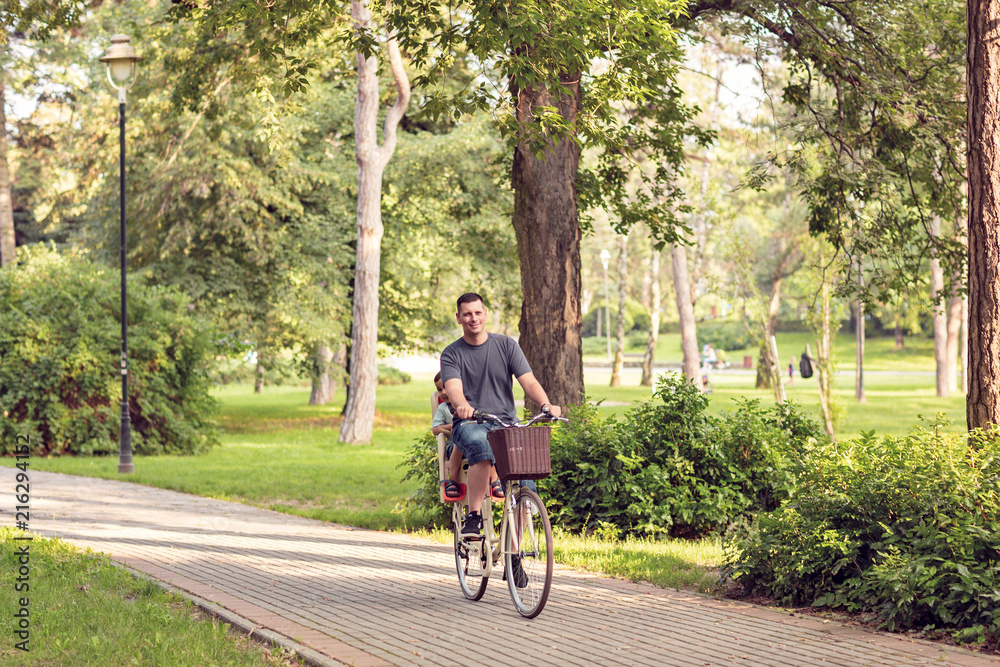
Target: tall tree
<point>359,414</point>
<point>938,304</point>
<point>689,335</point>
<point>982,93</point>
<point>8,250</point>
<point>654,320</point>
<point>23,21</point>
<point>559,76</point>
<point>619,362</point>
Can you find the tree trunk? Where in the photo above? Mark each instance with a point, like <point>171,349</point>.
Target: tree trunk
<point>764,364</point>
<point>964,345</point>
<point>8,243</point>
<point>616,369</point>
<point>689,337</point>
<point>940,317</point>
<point>859,352</point>
<point>779,386</point>
<point>654,320</point>
<point>323,385</point>
<point>824,362</point>
<point>258,371</point>
<point>359,413</point>
<point>954,311</point>
<point>983,127</point>
<point>767,361</point>
<point>548,245</point>
<point>898,330</point>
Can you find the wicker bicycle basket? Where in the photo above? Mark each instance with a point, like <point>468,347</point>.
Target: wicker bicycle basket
<point>521,453</point>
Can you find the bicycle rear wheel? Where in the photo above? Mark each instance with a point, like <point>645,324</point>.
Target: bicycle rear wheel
<point>470,559</point>
<point>528,559</point>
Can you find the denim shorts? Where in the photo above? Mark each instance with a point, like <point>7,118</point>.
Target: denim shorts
<point>470,438</point>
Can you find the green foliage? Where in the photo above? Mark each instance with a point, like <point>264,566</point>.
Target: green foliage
<point>667,467</point>
<point>534,47</point>
<point>904,527</point>
<point>725,335</point>
<point>391,375</point>
<point>880,141</point>
<point>59,360</point>
<point>636,318</point>
<point>421,464</point>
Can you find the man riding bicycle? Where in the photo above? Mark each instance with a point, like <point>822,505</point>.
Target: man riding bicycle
<point>477,370</point>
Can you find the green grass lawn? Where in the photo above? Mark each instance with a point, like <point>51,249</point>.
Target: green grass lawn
<point>880,352</point>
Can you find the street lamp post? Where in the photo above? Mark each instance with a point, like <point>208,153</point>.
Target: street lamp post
<point>121,60</point>
<point>605,258</point>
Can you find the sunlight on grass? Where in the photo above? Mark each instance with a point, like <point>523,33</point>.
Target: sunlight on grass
<point>672,563</point>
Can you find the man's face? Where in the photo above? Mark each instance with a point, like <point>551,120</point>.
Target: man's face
<point>472,317</point>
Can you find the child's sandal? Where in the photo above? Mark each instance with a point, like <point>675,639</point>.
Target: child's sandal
<point>496,490</point>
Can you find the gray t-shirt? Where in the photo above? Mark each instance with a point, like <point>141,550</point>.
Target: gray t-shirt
<point>485,371</point>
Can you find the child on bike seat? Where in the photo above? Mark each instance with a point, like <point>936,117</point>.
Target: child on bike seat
<point>441,424</point>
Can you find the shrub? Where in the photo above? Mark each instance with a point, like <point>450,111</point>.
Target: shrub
<point>60,341</point>
<point>907,528</point>
<point>391,375</point>
<point>594,345</point>
<point>725,335</point>
<point>421,463</point>
<point>636,318</point>
<point>589,322</point>
<point>667,467</point>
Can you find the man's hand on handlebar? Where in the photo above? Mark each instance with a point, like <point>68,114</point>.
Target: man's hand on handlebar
<point>553,410</point>
<point>464,411</point>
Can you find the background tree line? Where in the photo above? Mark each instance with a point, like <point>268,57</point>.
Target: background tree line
<point>245,194</point>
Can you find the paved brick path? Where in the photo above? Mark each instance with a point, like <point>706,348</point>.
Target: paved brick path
<point>368,598</point>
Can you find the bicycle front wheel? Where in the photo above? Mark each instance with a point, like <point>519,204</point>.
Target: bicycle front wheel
<point>528,559</point>
<point>470,559</point>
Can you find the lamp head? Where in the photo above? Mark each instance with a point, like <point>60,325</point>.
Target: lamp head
<point>121,59</point>
<point>605,258</point>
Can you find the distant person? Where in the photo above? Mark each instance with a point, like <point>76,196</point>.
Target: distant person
<point>791,371</point>
<point>709,357</point>
<point>477,370</point>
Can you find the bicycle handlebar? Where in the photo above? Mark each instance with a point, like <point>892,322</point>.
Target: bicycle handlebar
<point>479,417</point>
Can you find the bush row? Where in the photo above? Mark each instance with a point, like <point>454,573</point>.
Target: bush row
<point>60,342</point>
<point>907,528</point>
<point>666,467</point>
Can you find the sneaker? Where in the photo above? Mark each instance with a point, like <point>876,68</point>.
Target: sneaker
<point>472,527</point>
<point>520,576</point>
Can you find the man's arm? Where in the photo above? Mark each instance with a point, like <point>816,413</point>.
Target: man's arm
<point>534,392</point>
<point>462,408</point>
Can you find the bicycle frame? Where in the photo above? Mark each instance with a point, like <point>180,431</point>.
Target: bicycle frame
<point>490,536</point>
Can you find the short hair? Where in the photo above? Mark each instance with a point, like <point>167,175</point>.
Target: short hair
<point>437,377</point>
<point>468,297</point>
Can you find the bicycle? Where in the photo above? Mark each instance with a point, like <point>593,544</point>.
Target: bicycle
<point>523,544</point>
